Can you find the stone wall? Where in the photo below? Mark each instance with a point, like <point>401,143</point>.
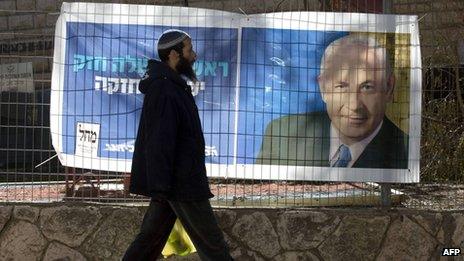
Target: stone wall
<point>103,232</point>
<point>441,27</point>
<point>33,21</point>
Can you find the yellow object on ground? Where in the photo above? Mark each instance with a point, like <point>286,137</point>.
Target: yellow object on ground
<point>178,243</point>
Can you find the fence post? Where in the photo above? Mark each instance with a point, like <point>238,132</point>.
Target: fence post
<point>385,188</point>
<point>385,194</point>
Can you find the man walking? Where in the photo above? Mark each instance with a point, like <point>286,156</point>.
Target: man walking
<point>168,162</point>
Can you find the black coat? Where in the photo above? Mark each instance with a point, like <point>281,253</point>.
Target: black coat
<point>169,156</point>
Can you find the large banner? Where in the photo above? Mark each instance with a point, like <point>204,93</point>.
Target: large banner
<point>282,96</point>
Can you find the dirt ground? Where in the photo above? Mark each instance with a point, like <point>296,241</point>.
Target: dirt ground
<point>433,196</point>
<point>253,193</point>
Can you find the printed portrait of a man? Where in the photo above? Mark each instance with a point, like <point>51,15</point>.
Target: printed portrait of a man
<point>356,83</point>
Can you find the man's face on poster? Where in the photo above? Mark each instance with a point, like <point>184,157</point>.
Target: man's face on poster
<point>356,89</point>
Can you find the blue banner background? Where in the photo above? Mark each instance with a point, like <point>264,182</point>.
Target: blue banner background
<point>279,69</point>
<point>278,74</point>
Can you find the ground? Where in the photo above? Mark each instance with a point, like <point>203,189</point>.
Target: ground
<point>253,193</point>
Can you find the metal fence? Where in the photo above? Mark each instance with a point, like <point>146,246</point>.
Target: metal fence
<point>31,172</point>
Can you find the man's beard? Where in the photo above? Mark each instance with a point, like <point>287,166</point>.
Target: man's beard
<point>186,68</point>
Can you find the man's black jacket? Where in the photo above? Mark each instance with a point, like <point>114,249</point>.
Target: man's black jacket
<point>169,156</point>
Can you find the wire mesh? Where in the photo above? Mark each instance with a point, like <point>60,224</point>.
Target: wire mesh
<point>31,171</point>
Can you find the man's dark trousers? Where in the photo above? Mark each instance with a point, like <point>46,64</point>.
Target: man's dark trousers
<point>198,220</point>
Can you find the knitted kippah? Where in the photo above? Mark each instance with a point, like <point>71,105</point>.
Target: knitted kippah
<point>171,38</point>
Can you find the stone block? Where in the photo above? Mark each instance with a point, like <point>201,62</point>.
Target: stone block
<point>245,255</point>
<point>440,5</point>
<point>430,222</point>
<point>22,241</point>
<point>5,214</point>
<point>51,19</point>
<point>297,256</point>
<point>25,4</point>
<point>406,240</point>
<point>226,218</point>
<point>69,225</point>
<point>57,251</point>
<point>458,236</point>
<point>314,5</point>
<point>230,242</point>
<point>300,230</point>
<point>257,232</point>
<point>429,20</point>
<point>441,236</point>
<point>3,23</point>
<point>401,9</point>
<point>40,20</point>
<point>421,7</point>
<point>114,235</point>
<point>26,213</point>
<point>59,3</point>
<point>45,20</point>
<point>41,66</point>
<point>20,22</point>
<point>47,5</point>
<point>189,257</point>
<point>356,238</point>
<point>7,5</point>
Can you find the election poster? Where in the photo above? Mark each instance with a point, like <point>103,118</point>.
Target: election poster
<point>281,96</point>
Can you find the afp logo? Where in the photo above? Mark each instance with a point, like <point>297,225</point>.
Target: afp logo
<point>451,251</point>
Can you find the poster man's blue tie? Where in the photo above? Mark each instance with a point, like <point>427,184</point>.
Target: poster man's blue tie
<point>344,157</point>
